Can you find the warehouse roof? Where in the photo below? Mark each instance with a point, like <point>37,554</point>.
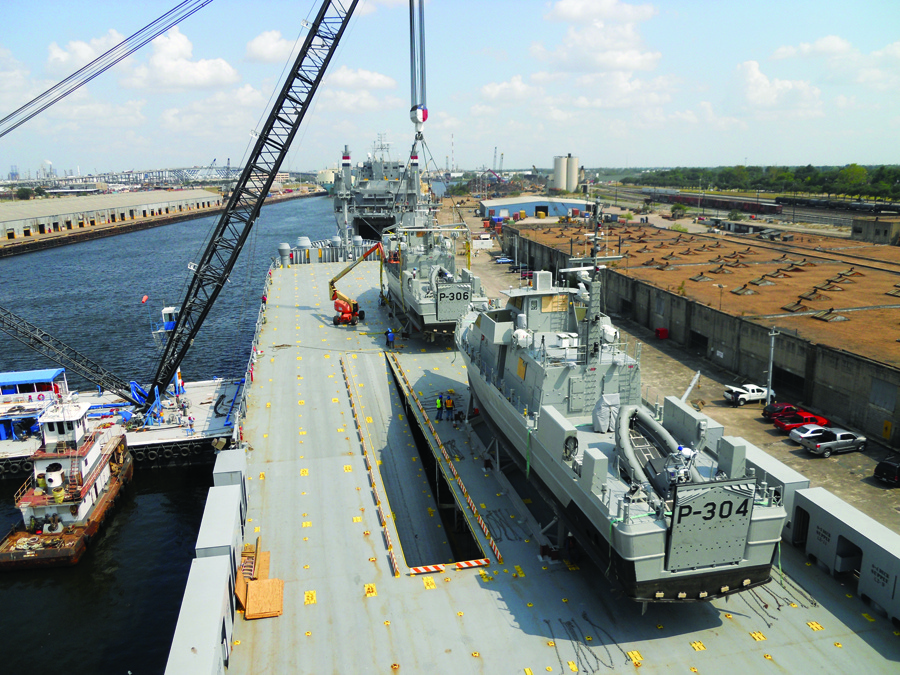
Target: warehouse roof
<point>44,208</point>
<point>835,291</point>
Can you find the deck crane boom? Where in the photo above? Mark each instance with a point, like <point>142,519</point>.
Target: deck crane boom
<point>272,144</point>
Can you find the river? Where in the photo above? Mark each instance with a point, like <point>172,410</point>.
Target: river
<point>115,612</point>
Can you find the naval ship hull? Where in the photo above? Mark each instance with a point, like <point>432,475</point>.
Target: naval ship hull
<point>637,563</point>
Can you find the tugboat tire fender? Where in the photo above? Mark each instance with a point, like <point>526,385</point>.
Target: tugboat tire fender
<point>152,455</point>
<point>2,469</point>
<point>14,467</point>
<point>185,452</point>
<point>167,453</point>
<point>139,456</point>
<point>196,450</point>
<point>27,466</point>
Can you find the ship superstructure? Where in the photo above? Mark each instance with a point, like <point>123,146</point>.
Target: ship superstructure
<point>669,520</point>
<point>78,473</point>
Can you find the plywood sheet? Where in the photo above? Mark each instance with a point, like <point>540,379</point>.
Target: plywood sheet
<point>265,598</point>
<point>240,589</point>
<point>262,566</point>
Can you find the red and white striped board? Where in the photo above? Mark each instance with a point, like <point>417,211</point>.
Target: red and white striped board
<point>426,569</point>
<point>481,562</point>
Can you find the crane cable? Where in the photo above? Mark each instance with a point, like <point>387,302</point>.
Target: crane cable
<point>100,65</point>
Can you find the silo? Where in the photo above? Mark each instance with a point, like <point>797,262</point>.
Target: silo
<point>571,173</point>
<point>560,167</point>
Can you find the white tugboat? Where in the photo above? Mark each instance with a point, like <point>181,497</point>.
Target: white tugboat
<point>78,475</point>
<point>556,385</point>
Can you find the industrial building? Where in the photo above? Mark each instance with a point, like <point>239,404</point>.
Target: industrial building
<point>877,230</point>
<point>512,207</point>
<point>21,219</point>
<point>833,304</point>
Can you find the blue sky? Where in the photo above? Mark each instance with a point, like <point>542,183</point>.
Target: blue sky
<point>685,83</point>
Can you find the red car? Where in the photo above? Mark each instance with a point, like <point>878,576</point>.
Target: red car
<point>798,419</point>
<point>775,410</point>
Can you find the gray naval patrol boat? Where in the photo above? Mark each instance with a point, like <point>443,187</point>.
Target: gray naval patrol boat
<point>666,507</point>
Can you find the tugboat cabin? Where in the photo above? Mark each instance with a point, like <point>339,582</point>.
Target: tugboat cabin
<point>24,395</point>
<point>71,468</point>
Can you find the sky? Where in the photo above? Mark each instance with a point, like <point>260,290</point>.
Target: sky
<point>617,84</point>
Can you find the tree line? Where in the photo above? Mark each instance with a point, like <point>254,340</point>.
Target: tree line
<point>880,183</point>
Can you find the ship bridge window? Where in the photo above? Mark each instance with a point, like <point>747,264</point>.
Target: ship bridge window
<point>69,426</point>
<point>51,426</point>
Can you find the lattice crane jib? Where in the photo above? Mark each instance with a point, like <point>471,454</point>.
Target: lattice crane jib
<point>242,210</point>
<point>59,352</point>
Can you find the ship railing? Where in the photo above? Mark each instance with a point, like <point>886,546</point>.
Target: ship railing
<point>244,401</point>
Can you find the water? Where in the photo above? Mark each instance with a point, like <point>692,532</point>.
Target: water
<point>115,612</point>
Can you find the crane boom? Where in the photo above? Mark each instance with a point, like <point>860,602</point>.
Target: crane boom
<point>242,210</point>
<point>333,292</point>
<point>58,351</point>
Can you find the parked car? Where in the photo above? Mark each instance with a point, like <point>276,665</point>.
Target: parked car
<point>835,440</point>
<point>777,409</point>
<point>888,470</point>
<point>746,393</point>
<point>503,260</point>
<point>517,268</point>
<point>806,431</point>
<point>789,422</point>
<point>526,274</point>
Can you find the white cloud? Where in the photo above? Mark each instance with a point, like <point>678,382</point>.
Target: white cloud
<point>350,78</point>
<point>170,67</point>
<point>796,98</point>
<point>512,91</point>
<point>269,47</point>
<point>620,90</point>
<point>78,53</point>
<point>370,6</point>
<point>846,102</point>
<point>479,111</point>
<point>359,101</point>
<point>599,46</point>
<point>711,119</point>
<point>581,10</point>
<point>236,111</point>
<point>831,45</point>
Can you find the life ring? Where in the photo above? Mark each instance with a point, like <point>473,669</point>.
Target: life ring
<point>40,397</point>
<point>185,452</point>
<point>167,453</point>
<point>152,455</point>
<point>139,456</point>
<point>27,466</point>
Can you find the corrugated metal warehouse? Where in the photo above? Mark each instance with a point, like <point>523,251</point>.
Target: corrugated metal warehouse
<point>551,207</point>
<point>41,216</point>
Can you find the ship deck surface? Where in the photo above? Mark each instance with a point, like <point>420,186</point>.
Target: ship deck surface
<point>312,504</point>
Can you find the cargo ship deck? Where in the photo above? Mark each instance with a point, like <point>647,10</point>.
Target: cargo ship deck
<point>341,498</point>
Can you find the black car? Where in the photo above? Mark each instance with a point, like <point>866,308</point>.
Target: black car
<point>888,470</point>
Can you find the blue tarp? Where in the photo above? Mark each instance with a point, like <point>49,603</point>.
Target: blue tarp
<point>30,376</point>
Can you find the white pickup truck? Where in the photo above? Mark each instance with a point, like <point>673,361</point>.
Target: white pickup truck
<point>746,393</point>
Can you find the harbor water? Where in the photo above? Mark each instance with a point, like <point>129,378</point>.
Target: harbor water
<point>115,612</point>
